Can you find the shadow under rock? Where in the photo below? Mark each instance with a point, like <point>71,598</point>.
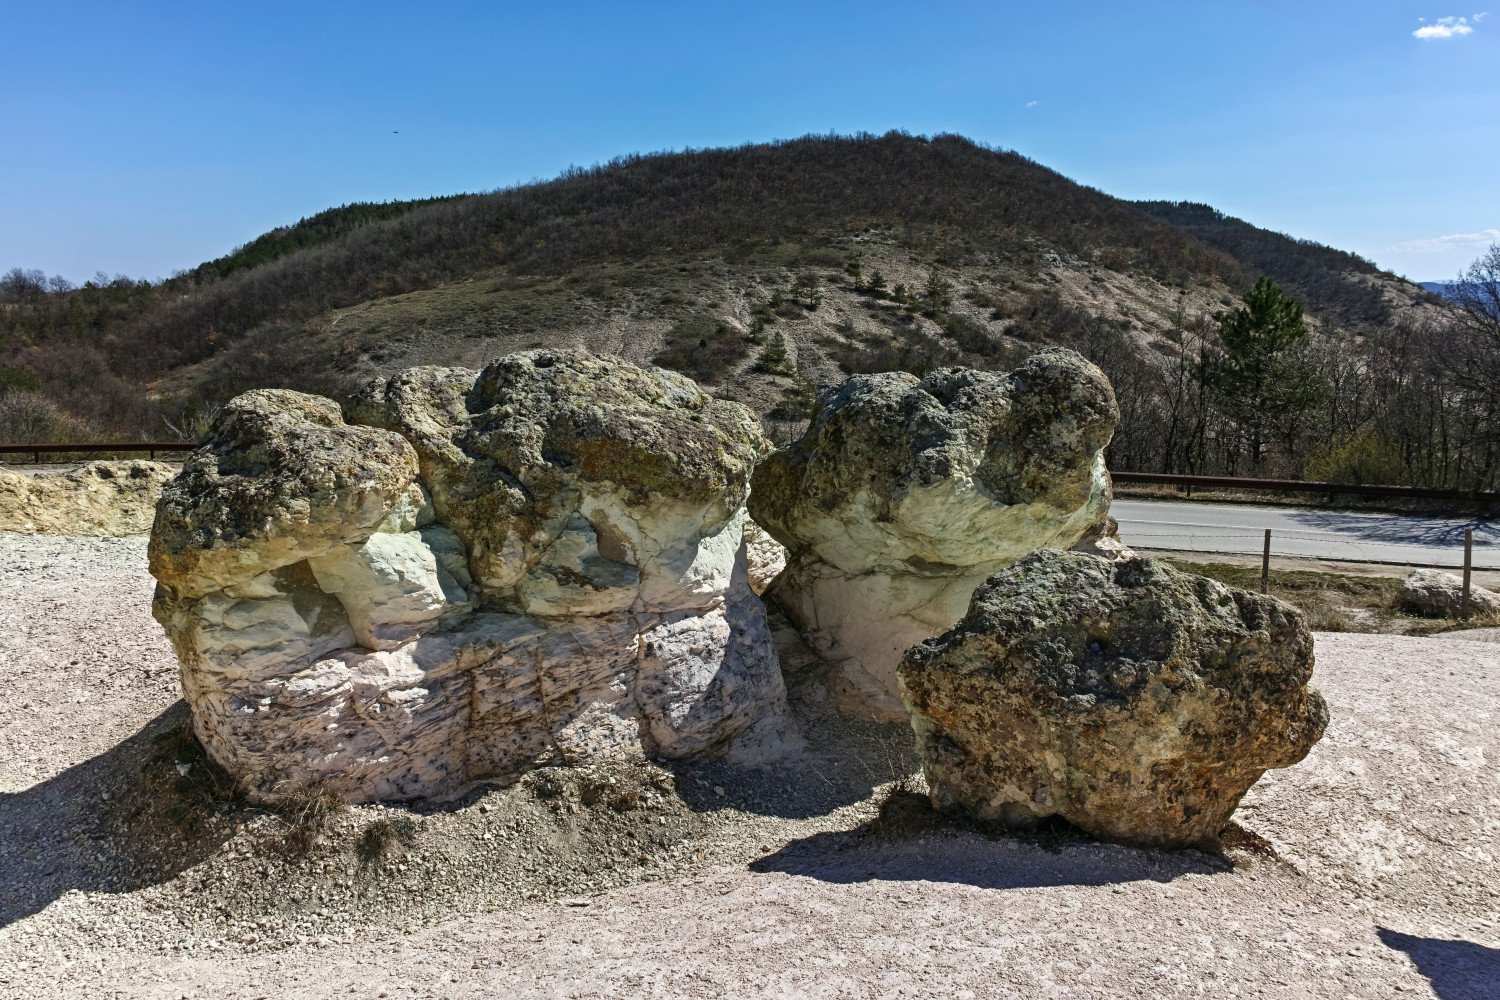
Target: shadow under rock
<point>843,761</point>
<point>835,759</point>
<point>124,820</point>
<point>909,841</point>
<point>1457,970</point>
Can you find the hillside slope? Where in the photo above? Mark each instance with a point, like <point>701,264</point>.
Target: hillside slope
<point>765,271</point>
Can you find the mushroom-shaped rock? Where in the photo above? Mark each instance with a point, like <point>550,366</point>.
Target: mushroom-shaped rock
<point>539,563</point>
<point>905,494</point>
<point>1135,701</point>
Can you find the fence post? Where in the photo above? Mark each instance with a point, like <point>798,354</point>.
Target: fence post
<point>1468,569</point>
<point>1265,565</point>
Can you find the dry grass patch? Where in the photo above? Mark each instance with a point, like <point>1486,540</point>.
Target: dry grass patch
<point>307,818</point>
<point>1332,602</point>
<point>385,840</point>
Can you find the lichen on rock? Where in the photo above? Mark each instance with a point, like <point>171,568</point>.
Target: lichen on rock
<point>905,494</point>
<point>1133,700</point>
<point>480,572</point>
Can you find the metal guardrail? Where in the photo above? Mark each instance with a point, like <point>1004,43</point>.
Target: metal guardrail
<point>95,447</point>
<point>1301,486</point>
<point>1157,478</point>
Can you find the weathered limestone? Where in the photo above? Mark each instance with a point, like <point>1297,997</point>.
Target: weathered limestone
<point>1135,701</point>
<point>765,555</point>
<point>280,478</point>
<point>1433,592</point>
<point>905,494</point>
<point>100,498</point>
<point>542,562</point>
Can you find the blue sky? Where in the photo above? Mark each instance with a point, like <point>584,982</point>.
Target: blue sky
<point>143,138</point>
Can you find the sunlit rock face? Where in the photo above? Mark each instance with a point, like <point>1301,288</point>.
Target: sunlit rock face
<point>99,498</point>
<point>1439,594</point>
<point>765,555</point>
<point>905,494</point>
<point>479,573</point>
<point>1135,701</point>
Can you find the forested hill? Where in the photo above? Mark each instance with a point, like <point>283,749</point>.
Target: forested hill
<point>766,271</point>
<point>1319,274</point>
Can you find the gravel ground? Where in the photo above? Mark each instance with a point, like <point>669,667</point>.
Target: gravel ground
<point>125,871</point>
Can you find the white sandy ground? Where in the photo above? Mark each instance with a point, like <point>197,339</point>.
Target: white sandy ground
<point>1383,880</point>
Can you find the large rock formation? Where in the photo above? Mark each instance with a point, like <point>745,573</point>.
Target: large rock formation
<point>1135,701</point>
<point>99,498</point>
<point>905,494</point>
<point>483,572</point>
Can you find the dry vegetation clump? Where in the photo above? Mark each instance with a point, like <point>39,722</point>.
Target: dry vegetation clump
<point>1240,845</point>
<point>307,819</point>
<point>385,840</point>
<point>1333,602</point>
<point>182,784</point>
<point>904,812</point>
<point>1435,626</point>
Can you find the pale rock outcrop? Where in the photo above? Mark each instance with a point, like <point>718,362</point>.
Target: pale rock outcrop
<point>1439,594</point>
<point>905,494</point>
<point>765,555</point>
<point>1135,701</point>
<point>480,573</point>
<point>1103,540</point>
<point>100,498</point>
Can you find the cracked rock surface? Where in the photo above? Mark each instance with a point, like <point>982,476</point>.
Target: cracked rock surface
<point>480,573</point>
<point>1135,701</point>
<point>905,494</point>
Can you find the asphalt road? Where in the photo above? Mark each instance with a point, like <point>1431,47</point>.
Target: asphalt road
<point>1303,533</point>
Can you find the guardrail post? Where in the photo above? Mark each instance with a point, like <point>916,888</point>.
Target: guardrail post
<point>1468,570</point>
<point>1265,565</point>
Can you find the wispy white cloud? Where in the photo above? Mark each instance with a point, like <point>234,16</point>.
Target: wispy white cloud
<point>1033,104</point>
<point>1446,27</point>
<point>1453,241</point>
<point>1480,16</point>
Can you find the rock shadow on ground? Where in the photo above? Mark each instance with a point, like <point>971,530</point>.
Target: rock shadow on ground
<point>1457,970</point>
<point>909,841</point>
<point>123,820</point>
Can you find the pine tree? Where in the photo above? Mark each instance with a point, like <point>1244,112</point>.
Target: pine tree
<point>938,295</point>
<point>1262,379</point>
<point>774,357</point>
